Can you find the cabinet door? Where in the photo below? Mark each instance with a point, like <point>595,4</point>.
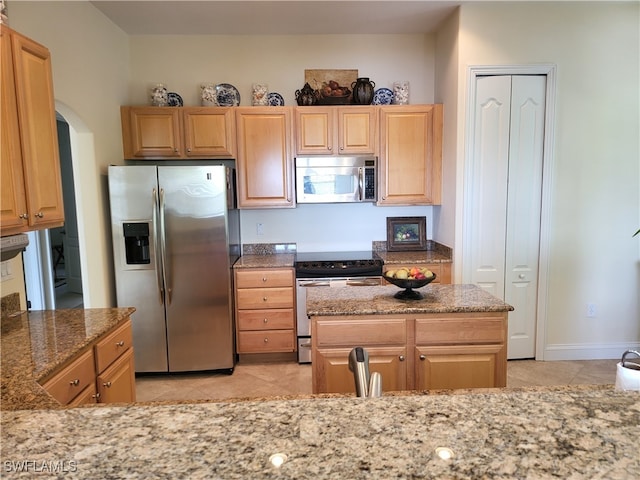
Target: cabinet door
<point>38,132</point>
<point>357,130</point>
<point>410,155</point>
<point>314,130</point>
<point>463,366</point>
<point>265,162</point>
<point>209,132</point>
<point>151,132</point>
<point>117,383</point>
<point>332,375</point>
<point>13,203</point>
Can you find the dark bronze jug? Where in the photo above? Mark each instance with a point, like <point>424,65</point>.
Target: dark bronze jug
<point>362,91</point>
<point>307,96</point>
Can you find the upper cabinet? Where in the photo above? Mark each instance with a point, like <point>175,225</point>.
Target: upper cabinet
<point>178,132</point>
<point>410,155</point>
<point>348,130</point>
<point>31,196</point>
<point>265,160</point>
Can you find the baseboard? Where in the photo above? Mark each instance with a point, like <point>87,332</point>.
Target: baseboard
<point>579,351</point>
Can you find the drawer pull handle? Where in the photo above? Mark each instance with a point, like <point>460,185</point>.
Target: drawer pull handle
<point>75,382</point>
<point>96,396</point>
<point>264,279</point>
<point>107,384</point>
<point>265,320</point>
<point>401,357</point>
<point>264,299</point>
<point>40,215</point>
<point>120,343</point>
<point>266,340</point>
<point>422,357</point>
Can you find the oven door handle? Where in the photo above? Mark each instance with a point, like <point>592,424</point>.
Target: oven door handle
<point>316,283</point>
<point>370,282</point>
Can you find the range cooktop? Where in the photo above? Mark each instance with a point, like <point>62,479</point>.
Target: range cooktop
<point>337,264</point>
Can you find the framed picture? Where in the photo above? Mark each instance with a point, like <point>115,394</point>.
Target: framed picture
<point>334,86</point>
<point>406,233</point>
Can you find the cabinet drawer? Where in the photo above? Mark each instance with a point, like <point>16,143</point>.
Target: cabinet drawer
<point>86,397</point>
<point>361,332</point>
<point>274,319</point>
<point>264,278</point>
<point>113,345</point>
<point>267,341</point>
<point>470,330</point>
<point>73,379</point>
<point>257,298</point>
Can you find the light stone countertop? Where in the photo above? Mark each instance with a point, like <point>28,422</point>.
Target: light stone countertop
<point>437,298</point>
<point>565,432</point>
<point>279,260</point>
<point>34,344</point>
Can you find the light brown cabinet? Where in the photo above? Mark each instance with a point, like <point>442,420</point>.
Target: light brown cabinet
<point>265,306</point>
<point>178,132</point>
<point>461,351</point>
<point>442,270</point>
<point>410,155</point>
<point>333,338</point>
<point>265,157</point>
<point>103,373</point>
<point>348,130</point>
<point>31,187</point>
<point>412,352</point>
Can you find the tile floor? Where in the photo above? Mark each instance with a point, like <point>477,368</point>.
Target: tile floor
<point>268,379</point>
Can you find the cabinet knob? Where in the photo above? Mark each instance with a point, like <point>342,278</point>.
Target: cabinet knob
<point>264,279</point>
<point>96,396</point>
<point>75,382</point>
<point>264,299</point>
<point>120,343</point>
<point>521,276</point>
<point>266,340</point>
<point>401,357</point>
<point>422,357</point>
<point>24,216</point>
<point>189,149</point>
<point>39,214</point>
<point>175,150</point>
<point>106,384</point>
<point>265,320</point>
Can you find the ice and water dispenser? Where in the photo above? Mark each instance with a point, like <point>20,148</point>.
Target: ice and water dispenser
<point>136,243</point>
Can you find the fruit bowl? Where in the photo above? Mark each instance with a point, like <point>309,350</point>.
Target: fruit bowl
<point>409,284</point>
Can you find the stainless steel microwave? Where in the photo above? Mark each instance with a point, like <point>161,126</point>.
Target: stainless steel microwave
<point>336,179</point>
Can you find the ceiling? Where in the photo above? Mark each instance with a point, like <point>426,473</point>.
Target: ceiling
<point>288,17</point>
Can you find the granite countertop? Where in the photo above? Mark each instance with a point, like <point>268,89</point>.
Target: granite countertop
<point>414,257</point>
<point>380,300</point>
<point>35,344</point>
<point>564,432</point>
<point>279,260</point>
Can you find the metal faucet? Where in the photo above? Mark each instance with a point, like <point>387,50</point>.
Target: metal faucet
<point>367,385</point>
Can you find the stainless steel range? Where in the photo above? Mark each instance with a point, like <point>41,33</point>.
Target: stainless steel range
<point>329,270</point>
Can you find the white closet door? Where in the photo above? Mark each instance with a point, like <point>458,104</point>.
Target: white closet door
<point>503,204</point>
<point>524,203</point>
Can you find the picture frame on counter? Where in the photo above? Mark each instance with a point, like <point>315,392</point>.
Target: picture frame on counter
<point>406,233</point>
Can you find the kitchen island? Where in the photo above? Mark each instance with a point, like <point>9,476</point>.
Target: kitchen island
<point>564,432</point>
<point>454,336</point>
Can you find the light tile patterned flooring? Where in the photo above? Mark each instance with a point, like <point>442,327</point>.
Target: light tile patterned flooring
<point>270,379</point>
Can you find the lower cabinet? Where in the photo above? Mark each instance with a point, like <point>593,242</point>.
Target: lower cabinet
<point>412,352</point>
<point>103,373</point>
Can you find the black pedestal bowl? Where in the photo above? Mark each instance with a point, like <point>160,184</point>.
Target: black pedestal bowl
<point>409,284</point>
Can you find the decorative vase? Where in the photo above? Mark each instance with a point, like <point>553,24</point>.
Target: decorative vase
<point>307,96</point>
<point>400,93</point>
<point>260,95</point>
<point>208,95</point>
<point>159,96</point>
<point>363,91</point>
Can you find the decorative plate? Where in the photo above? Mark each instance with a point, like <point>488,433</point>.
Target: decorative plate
<point>275,99</point>
<point>382,96</point>
<point>174,99</point>
<point>227,95</point>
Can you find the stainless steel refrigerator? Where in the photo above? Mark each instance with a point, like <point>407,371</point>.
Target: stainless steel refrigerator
<point>176,235</point>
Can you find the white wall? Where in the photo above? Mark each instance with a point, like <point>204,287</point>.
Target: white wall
<point>595,204</point>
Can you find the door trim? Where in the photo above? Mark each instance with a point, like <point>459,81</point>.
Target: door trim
<point>549,70</point>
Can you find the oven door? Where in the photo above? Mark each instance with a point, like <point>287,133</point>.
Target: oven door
<point>303,322</point>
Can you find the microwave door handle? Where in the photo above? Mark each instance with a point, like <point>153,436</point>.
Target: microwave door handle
<point>360,183</point>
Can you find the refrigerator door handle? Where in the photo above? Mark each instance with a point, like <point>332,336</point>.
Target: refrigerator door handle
<point>166,276</point>
<point>154,194</point>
